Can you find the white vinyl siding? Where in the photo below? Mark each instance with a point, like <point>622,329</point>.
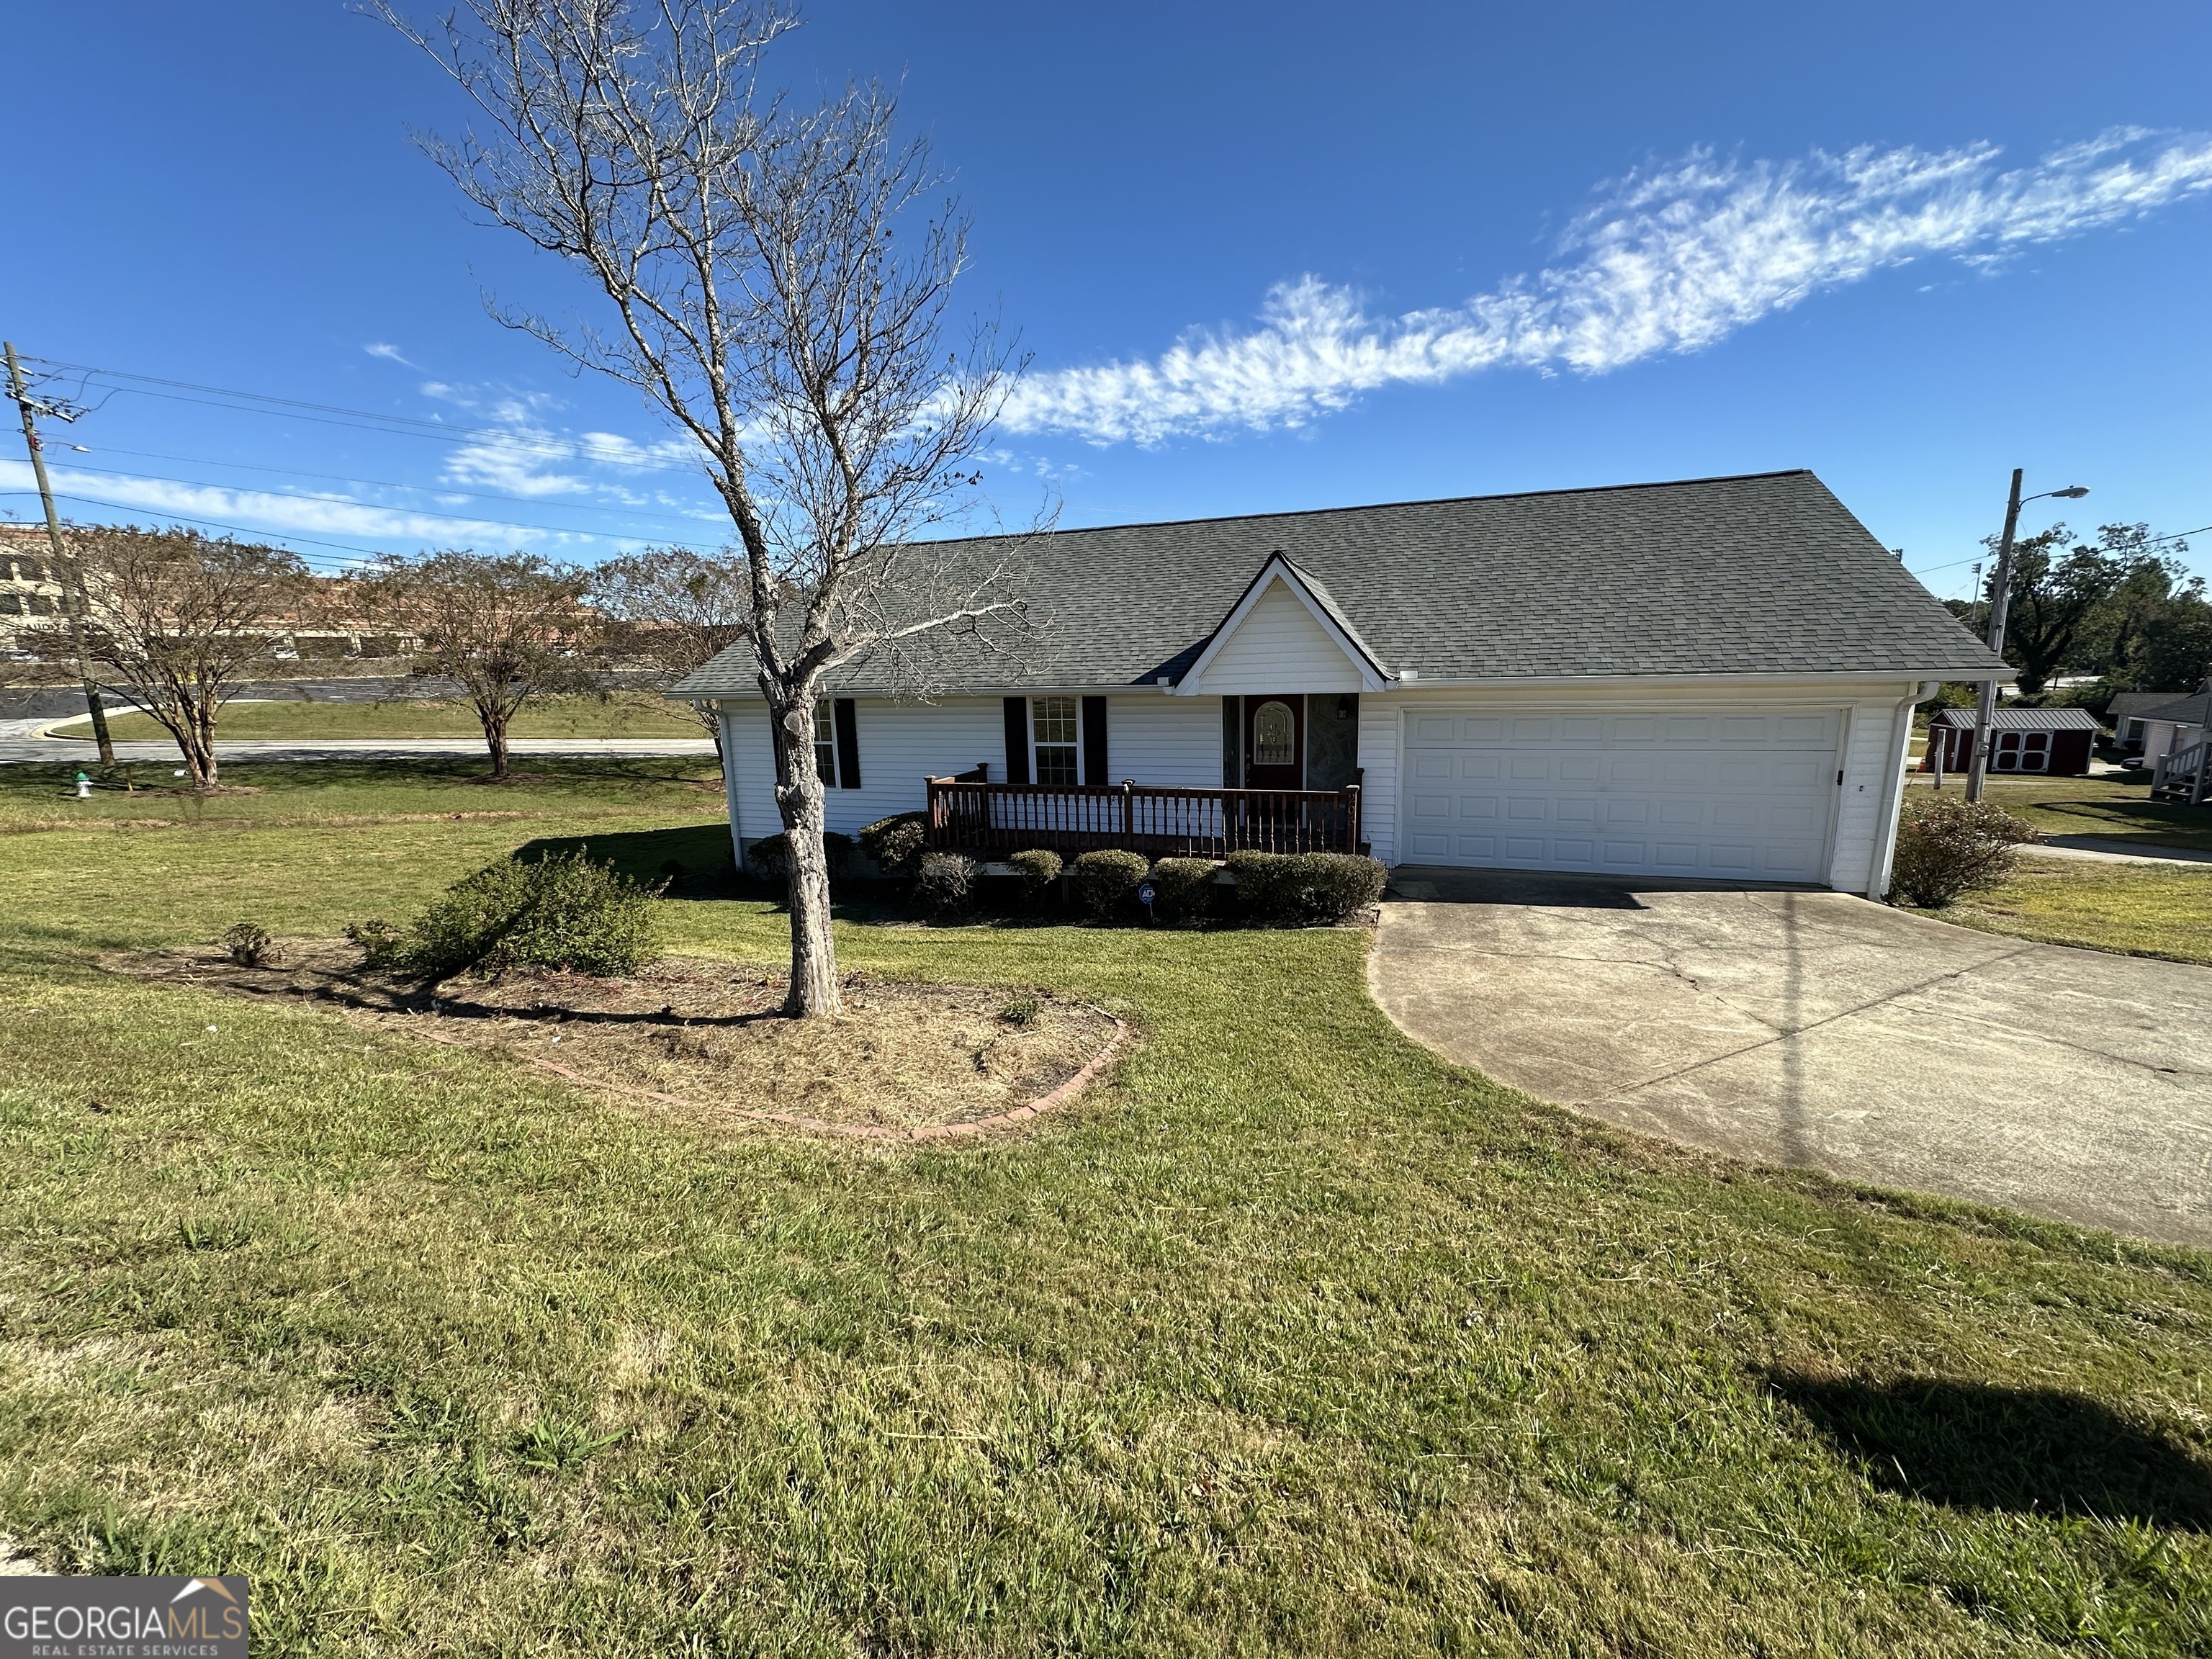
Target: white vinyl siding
<point>1715,794</point>
<point>1277,648</point>
<point>901,743</point>
<point>1873,768</point>
<point>1173,743</point>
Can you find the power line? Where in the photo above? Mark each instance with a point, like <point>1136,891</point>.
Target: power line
<point>328,414</point>
<point>418,512</point>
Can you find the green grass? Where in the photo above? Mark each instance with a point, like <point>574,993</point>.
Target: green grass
<point>2096,807</point>
<point>1292,1340</point>
<point>2136,909</point>
<point>624,715</point>
<point>357,794</point>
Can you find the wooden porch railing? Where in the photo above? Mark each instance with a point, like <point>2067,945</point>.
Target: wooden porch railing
<point>982,820</point>
<point>2186,776</point>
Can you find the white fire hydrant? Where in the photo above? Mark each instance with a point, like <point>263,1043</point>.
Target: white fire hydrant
<point>83,786</point>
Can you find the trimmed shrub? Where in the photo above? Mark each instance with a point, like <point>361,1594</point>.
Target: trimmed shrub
<point>1288,888</point>
<point>1181,890</point>
<point>250,946</point>
<point>1039,869</point>
<point>1948,846</point>
<point>898,843</point>
<point>1105,883</point>
<point>770,858</point>
<point>944,882</point>
<point>562,912</point>
<point>1264,892</point>
<point>1334,886</point>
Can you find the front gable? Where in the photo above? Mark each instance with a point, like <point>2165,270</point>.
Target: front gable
<point>1283,636</point>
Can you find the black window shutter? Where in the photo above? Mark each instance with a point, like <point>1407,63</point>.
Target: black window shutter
<point>848,745</point>
<point>1018,740</point>
<point>1094,742</point>
<point>1232,743</point>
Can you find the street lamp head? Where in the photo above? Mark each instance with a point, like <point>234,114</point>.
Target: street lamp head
<point>2072,492</point>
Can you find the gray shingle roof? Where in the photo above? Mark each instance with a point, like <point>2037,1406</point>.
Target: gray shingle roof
<point>2022,719</point>
<point>2131,705</point>
<point>1759,575</point>
<point>2193,710</point>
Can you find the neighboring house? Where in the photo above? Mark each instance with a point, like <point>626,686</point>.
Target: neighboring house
<point>2126,711</point>
<point>2175,724</point>
<point>1713,678</point>
<point>2054,740</point>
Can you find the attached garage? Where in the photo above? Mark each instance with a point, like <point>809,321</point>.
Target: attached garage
<point>1721,793</point>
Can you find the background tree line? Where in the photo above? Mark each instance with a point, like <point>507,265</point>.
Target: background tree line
<point>178,621</point>
<point>2122,607</point>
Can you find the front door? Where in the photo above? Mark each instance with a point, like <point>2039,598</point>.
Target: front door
<point>1275,743</point>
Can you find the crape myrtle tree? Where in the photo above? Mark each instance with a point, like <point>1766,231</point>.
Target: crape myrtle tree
<point>778,282</point>
<point>178,618</point>
<point>507,626</point>
<point>670,610</point>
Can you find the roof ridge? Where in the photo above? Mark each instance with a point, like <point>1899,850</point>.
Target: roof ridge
<point>1425,501</point>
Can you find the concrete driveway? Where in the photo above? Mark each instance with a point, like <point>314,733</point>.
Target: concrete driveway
<point>1817,1029</point>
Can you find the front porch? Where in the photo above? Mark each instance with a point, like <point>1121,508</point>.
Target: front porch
<point>968,815</point>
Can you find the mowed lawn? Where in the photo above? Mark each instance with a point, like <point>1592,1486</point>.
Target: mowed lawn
<point>622,714</point>
<point>1293,1338</point>
<point>2103,806</point>
<point>2138,909</point>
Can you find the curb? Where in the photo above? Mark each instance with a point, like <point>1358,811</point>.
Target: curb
<point>928,1132</point>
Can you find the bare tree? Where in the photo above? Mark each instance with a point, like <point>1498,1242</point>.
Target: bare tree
<point>671,611</point>
<point>508,626</point>
<point>178,616</point>
<point>780,288</point>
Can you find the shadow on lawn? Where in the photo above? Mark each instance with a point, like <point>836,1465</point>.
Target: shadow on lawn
<point>2030,1452</point>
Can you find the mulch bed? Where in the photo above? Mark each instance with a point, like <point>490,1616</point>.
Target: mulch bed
<point>906,1061</point>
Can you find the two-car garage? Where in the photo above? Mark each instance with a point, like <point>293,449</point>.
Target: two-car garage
<point>1718,793</point>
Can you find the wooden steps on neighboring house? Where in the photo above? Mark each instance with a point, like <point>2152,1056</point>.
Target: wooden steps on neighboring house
<point>2184,776</point>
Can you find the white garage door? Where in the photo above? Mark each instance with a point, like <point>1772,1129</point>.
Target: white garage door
<point>1716,794</point>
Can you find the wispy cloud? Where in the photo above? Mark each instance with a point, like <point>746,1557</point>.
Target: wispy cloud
<point>526,454</point>
<point>386,350</point>
<point>1670,260</point>
<point>91,494</point>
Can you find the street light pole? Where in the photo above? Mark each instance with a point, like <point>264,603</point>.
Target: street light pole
<point>66,571</point>
<point>1999,602</point>
<point>2000,598</point>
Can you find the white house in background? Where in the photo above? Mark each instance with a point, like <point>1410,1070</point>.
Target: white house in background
<point>2173,724</point>
<point>1712,678</point>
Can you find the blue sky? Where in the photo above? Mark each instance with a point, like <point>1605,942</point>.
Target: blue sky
<point>1266,258</point>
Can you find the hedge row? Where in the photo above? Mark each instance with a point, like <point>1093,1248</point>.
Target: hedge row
<point>1277,888</point>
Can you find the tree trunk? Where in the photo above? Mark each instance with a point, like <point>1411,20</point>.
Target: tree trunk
<point>495,731</point>
<point>798,799</point>
<point>199,722</point>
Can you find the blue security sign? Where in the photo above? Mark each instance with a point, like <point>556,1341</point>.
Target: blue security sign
<point>1146,893</point>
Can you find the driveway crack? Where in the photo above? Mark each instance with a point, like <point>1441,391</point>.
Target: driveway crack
<point>1784,1035</point>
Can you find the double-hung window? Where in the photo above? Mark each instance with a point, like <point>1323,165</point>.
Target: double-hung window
<point>825,740</point>
<point>1053,748</point>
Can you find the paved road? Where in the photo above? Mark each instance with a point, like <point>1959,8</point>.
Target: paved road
<point>21,745</point>
<point>1818,1030</point>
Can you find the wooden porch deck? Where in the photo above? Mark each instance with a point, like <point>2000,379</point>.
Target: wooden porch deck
<point>984,820</point>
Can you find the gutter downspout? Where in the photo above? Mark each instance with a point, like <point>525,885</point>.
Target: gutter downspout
<point>1901,739</point>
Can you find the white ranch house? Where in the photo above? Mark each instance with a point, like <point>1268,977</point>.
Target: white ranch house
<point>1713,678</point>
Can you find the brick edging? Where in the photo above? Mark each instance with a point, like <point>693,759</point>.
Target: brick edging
<point>1022,1114</point>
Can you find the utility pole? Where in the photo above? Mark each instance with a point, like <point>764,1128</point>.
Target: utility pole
<point>75,601</point>
<point>2000,598</point>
